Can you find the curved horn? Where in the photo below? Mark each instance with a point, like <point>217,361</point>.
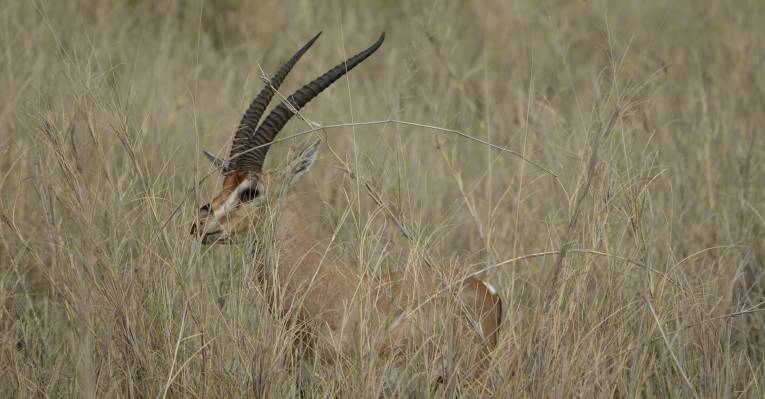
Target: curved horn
<point>255,111</point>
<point>260,142</point>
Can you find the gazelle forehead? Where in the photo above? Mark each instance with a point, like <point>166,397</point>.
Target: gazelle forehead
<point>233,180</point>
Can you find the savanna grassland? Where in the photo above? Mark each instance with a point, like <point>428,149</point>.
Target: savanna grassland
<point>623,224</point>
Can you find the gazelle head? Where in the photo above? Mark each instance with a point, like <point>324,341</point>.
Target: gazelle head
<point>236,208</point>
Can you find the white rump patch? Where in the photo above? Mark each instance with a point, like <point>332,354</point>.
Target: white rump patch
<point>491,288</point>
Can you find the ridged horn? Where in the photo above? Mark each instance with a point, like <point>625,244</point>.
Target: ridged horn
<point>260,142</point>
<point>252,116</point>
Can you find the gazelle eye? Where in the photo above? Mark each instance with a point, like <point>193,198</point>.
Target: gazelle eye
<point>248,195</point>
<point>205,209</point>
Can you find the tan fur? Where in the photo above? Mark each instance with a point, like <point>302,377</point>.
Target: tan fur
<point>327,292</point>
<point>328,296</point>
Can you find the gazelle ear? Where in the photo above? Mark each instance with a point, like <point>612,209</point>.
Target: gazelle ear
<point>303,162</point>
<point>217,162</point>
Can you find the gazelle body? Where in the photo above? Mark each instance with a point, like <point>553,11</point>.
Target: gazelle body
<point>325,295</point>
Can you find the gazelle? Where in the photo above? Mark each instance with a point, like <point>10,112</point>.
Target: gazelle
<point>319,292</point>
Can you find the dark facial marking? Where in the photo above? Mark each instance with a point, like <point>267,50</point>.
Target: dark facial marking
<point>248,195</point>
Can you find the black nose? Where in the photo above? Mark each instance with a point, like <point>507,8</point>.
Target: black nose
<point>193,229</point>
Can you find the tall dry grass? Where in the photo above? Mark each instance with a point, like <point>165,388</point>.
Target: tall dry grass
<point>635,269</point>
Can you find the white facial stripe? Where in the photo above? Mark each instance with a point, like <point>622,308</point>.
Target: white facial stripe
<point>233,198</point>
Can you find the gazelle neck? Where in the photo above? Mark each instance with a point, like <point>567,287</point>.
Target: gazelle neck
<point>299,262</point>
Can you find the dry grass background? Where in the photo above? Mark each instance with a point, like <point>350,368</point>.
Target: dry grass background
<point>105,108</point>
